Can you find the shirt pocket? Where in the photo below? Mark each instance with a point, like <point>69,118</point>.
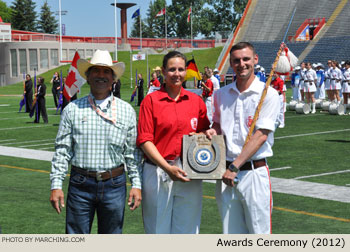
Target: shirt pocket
<point>117,136</point>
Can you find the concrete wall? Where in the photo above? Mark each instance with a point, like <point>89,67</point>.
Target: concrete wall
<point>6,76</point>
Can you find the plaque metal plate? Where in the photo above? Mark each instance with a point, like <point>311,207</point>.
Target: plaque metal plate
<point>204,158</point>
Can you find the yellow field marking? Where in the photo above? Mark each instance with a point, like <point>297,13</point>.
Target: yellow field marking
<point>212,197</point>
<point>311,214</point>
<point>24,169</point>
<point>208,197</point>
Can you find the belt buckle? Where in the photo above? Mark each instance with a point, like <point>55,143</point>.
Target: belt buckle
<point>99,176</point>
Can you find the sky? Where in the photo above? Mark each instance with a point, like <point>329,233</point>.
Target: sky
<point>92,18</point>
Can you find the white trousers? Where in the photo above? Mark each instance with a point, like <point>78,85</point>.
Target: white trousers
<point>170,207</point>
<point>280,116</point>
<point>321,93</point>
<point>296,93</point>
<point>209,105</point>
<point>246,207</point>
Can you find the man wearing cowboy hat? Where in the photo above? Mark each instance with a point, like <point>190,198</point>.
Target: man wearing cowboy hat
<point>158,70</point>
<point>97,136</point>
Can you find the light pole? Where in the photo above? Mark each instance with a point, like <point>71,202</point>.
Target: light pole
<point>116,30</point>
<point>60,13</point>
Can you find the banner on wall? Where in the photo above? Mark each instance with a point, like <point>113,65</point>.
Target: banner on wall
<point>304,35</point>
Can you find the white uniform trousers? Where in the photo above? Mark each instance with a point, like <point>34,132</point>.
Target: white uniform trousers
<point>345,87</point>
<point>209,104</point>
<point>321,92</point>
<point>246,207</point>
<point>296,93</point>
<point>280,116</point>
<point>170,207</point>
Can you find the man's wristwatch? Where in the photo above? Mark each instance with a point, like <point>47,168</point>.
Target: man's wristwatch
<point>233,168</point>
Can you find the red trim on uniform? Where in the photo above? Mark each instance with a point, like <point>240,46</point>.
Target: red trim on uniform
<point>268,172</point>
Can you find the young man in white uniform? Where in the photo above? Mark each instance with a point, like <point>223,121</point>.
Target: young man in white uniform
<point>245,207</point>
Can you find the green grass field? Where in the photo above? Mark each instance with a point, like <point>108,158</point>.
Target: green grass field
<point>304,145</point>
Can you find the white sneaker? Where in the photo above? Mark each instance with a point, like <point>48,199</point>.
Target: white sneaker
<point>313,111</point>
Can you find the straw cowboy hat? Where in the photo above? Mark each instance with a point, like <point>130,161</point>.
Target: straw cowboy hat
<point>100,58</point>
<point>157,68</point>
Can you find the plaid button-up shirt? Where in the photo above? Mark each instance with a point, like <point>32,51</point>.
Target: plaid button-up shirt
<point>89,141</point>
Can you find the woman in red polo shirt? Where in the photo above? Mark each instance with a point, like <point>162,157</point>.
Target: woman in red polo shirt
<point>169,205</point>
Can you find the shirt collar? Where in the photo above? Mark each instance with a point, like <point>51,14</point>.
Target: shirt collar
<point>110,99</point>
<point>162,94</point>
<point>255,87</point>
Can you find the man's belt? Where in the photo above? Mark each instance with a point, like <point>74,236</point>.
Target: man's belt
<point>100,176</point>
<point>248,165</point>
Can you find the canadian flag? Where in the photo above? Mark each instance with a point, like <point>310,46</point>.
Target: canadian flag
<point>189,15</point>
<point>161,13</point>
<point>74,81</point>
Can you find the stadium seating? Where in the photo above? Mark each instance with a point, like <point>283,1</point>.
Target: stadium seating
<point>269,20</point>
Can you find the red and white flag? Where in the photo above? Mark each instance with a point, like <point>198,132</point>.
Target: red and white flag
<point>161,13</point>
<point>189,15</point>
<point>74,81</point>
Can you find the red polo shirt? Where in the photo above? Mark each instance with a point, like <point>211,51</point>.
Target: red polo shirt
<point>164,121</point>
<point>278,85</point>
<point>210,85</point>
<point>155,83</point>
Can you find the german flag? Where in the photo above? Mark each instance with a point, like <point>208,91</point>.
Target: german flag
<point>192,70</point>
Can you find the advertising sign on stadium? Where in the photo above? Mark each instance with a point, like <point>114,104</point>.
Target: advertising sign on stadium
<point>304,35</point>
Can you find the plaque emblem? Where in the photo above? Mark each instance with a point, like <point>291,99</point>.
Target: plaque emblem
<point>203,156</point>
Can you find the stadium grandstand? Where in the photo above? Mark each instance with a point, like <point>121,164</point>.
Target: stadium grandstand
<point>318,31</point>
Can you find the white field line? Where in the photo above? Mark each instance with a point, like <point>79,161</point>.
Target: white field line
<point>27,127</point>
<point>26,117</point>
<point>7,140</point>
<point>281,168</point>
<point>4,105</point>
<point>10,112</point>
<point>311,134</point>
<point>300,116</point>
<point>1,119</point>
<point>47,148</point>
<point>322,174</point>
<point>31,141</point>
<point>43,144</point>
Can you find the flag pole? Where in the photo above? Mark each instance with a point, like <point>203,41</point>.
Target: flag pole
<point>191,27</point>
<point>166,36</point>
<point>59,7</point>
<point>136,87</point>
<point>116,31</point>
<point>147,67</point>
<point>140,30</point>
<point>130,68</point>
